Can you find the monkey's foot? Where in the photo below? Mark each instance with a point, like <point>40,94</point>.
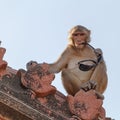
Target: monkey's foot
<point>99,96</point>
<point>89,85</point>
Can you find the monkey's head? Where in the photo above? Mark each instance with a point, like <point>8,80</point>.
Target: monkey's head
<point>76,29</point>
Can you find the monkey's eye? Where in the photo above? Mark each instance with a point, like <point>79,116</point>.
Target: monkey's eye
<point>77,34</point>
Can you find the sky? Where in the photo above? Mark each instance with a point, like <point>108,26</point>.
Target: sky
<point>38,30</point>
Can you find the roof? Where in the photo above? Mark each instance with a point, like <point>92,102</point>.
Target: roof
<point>29,95</point>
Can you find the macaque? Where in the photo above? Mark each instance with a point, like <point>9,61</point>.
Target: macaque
<point>81,65</point>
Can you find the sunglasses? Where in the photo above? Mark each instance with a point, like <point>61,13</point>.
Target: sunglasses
<point>81,34</point>
<point>84,67</point>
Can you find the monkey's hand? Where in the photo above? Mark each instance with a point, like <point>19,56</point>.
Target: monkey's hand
<point>88,85</point>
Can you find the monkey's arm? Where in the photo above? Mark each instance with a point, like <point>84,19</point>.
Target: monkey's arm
<point>60,63</point>
<point>100,76</point>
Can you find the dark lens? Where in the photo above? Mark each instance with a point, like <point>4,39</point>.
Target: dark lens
<point>85,67</point>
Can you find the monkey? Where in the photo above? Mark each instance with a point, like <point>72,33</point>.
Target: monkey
<point>80,64</point>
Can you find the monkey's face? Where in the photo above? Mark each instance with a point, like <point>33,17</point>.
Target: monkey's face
<point>79,38</point>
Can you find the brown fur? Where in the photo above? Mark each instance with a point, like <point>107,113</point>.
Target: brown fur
<point>73,78</point>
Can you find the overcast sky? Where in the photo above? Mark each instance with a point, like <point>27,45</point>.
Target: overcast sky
<point>37,30</point>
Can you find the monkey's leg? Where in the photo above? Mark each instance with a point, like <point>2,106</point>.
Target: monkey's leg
<point>70,82</point>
